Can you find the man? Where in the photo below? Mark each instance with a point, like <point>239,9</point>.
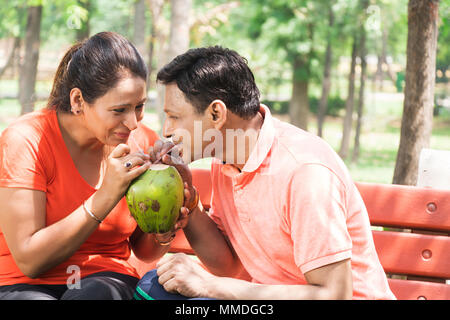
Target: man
<point>285,214</point>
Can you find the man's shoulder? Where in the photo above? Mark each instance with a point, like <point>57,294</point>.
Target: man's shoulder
<point>301,146</point>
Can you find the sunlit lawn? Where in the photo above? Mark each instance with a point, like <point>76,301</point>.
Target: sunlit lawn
<point>379,139</point>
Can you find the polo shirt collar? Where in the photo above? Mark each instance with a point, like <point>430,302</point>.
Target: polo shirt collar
<point>262,147</point>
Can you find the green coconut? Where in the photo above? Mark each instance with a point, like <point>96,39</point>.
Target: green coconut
<point>155,198</point>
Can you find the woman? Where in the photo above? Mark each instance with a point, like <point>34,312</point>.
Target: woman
<point>65,229</point>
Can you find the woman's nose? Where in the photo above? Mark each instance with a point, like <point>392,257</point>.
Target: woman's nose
<point>131,121</point>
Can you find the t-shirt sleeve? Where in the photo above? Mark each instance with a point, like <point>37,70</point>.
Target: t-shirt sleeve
<point>214,211</point>
<point>317,214</point>
<point>21,163</point>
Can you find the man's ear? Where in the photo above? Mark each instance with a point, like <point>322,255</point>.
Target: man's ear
<point>217,111</point>
<point>76,101</point>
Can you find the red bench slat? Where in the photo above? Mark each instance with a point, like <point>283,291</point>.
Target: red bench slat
<point>413,254</point>
<point>406,206</point>
<point>413,290</point>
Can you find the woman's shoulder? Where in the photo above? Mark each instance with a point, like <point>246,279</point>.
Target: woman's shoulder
<point>30,126</point>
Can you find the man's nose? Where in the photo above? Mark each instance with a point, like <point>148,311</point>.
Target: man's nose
<point>167,129</point>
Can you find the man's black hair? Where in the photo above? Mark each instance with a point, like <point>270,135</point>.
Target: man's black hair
<point>207,74</point>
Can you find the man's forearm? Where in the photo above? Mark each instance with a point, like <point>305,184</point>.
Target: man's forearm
<point>210,244</point>
<point>329,282</point>
<point>234,289</point>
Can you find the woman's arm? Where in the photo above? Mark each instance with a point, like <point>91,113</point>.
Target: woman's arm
<point>36,247</point>
<point>147,247</point>
<point>210,245</point>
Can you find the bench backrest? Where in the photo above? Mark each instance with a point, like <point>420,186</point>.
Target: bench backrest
<point>409,253</point>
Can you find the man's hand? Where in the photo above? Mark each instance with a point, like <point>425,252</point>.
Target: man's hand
<point>168,153</point>
<point>181,274</point>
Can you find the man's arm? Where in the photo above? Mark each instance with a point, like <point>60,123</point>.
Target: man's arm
<point>181,274</point>
<point>210,245</point>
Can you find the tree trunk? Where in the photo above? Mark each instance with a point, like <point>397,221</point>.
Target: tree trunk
<point>84,31</point>
<point>348,119</point>
<point>10,61</point>
<point>299,104</point>
<point>179,27</point>
<point>151,53</point>
<point>362,50</point>
<point>178,40</point>
<point>139,25</point>
<point>379,74</point>
<point>156,37</point>
<point>361,96</point>
<point>28,70</point>
<point>326,82</point>
<point>417,116</point>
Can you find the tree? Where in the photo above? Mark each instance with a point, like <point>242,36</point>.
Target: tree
<point>139,25</point>
<point>157,39</point>
<point>326,80</point>
<point>84,30</point>
<point>179,27</point>
<point>28,70</point>
<point>178,41</point>
<point>10,60</point>
<point>358,49</point>
<point>419,88</point>
<point>362,84</point>
<point>348,118</point>
<point>184,24</point>
<point>289,28</point>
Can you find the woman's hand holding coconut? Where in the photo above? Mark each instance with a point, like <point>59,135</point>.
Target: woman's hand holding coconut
<point>122,168</point>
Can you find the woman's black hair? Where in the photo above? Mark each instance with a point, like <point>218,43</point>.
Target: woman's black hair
<point>207,74</point>
<point>94,66</point>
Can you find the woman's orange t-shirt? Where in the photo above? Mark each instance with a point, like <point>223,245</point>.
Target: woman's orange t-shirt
<point>33,155</point>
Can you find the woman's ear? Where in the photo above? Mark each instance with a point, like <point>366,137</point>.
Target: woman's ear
<point>217,111</point>
<point>76,101</point>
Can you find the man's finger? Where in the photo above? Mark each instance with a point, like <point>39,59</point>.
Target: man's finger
<point>164,260</point>
<point>166,150</point>
<point>172,160</point>
<point>164,275</point>
<point>158,145</point>
<point>170,286</point>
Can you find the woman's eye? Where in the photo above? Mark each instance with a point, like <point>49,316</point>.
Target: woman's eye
<point>139,107</point>
<point>120,110</point>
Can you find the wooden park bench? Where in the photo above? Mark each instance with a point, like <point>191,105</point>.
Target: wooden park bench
<point>411,229</point>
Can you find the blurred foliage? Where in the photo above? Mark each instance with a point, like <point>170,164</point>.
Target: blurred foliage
<point>268,33</point>
<point>335,105</point>
<point>443,50</point>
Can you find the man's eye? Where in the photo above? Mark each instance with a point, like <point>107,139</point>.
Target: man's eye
<point>140,106</point>
<point>120,110</point>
